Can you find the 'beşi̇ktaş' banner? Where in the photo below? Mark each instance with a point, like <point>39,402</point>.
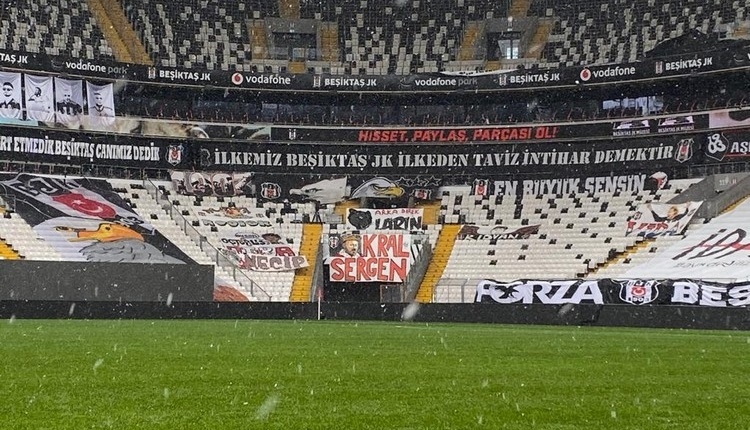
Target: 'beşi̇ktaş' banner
<point>406,219</point>
<point>661,219</point>
<point>719,250</point>
<point>633,291</point>
<point>368,257</point>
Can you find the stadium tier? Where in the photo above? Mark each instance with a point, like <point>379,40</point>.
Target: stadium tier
<point>443,151</point>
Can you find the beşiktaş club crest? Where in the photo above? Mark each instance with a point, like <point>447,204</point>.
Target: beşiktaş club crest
<point>638,292</point>
<point>174,154</point>
<point>684,150</point>
<point>270,190</point>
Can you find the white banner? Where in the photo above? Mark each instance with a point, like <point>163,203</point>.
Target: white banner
<point>406,219</point>
<point>266,252</point>
<point>68,100</point>
<point>720,250</point>
<point>661,219</point>
<point>39,98</point>
<point>101,104</point>
<point>10,95</point>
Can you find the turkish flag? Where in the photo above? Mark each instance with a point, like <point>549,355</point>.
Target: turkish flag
<point>86,206</point>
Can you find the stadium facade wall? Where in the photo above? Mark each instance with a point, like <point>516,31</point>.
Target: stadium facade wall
<point>678,317</point>
<point>48,282</point>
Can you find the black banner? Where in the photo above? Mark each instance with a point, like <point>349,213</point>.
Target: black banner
<point>643,154</point>
<point>727,146</point>
<point>615,291</point>
<point>735,56</point>
<point>73,147</point>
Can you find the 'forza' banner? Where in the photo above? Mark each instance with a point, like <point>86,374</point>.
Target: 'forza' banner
<point>369,257</point>
<point>407,219</point>
<point>656,152</point>
<point>615,291</point>
<point>661,219</point>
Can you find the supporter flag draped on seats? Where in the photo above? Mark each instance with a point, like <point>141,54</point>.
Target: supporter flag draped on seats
<point>68,100</point>
<point>10,95</point>
<point>101,104</point>
<point>661,219</point>
<point>39,98</point>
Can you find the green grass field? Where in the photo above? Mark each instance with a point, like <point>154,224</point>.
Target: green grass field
<point>77,374</point>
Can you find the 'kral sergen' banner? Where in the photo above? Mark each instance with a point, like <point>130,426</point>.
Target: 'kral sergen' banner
<point>369,257</point>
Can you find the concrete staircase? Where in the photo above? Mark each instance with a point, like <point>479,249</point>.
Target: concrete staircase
<point>431,211</point>
<point>329,42</point>
<point>539,39</point>
<point>341,208</point>
<point>289,9</point>
<point>119,33</point>
<point>258,39</point>
<point>7,252</point>
<point>471,36</point>
<point>440,255</point>
<point>519,8</point>
<point>297,67</point>
<point>304,277</point>
<point>619,258</point>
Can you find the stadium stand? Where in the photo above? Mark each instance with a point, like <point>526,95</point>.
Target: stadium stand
<point>600,32</point>
<point>194,34</point>
<point>544,236</point>
<point>54,28</point>
<point>576,234</point>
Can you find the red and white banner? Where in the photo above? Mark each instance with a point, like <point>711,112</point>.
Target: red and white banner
<point>661,219</point>
<point>265,252</point>
<point>406,219</point>
<point>369,257</point>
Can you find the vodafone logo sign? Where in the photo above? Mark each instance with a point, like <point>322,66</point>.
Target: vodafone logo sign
<point>237,79</point>
<point>585,75</point>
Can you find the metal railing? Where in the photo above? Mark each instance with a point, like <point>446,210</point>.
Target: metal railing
<point>219,258</point>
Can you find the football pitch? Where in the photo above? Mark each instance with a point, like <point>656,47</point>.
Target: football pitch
<point>246,374</point>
